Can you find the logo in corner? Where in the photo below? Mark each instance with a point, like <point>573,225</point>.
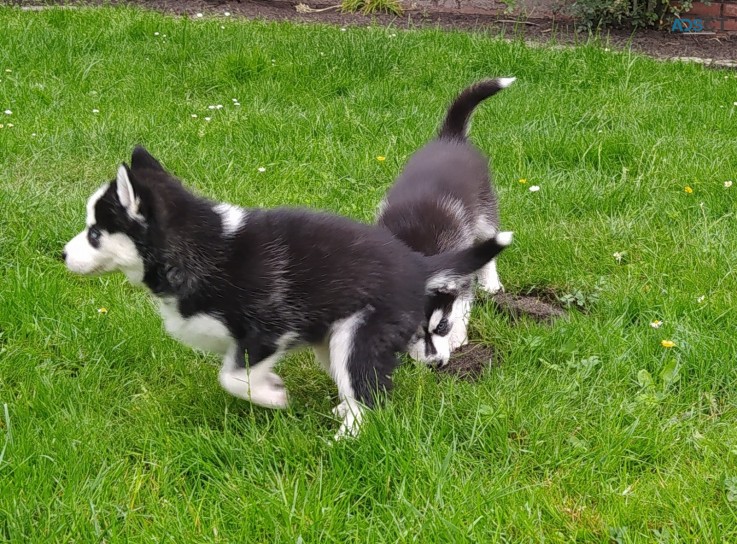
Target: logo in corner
<point>681,24</point>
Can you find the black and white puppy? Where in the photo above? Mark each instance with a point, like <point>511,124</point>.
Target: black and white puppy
<point>443,201</point>
<point>237,281</point>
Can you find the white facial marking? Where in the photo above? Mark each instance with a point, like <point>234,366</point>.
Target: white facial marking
<point>416,348</point>
<point>91,202</point>
<point>459,317</point>
<point>233,218</point>
<point>442,347</point>
<point>435,318</point>
<point>114,252</point>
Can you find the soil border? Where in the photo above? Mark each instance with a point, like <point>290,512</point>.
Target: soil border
<point>709,49</point>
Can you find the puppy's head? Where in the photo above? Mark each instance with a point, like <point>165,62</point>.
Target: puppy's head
<point>118,216</point>
<point>444,329</point>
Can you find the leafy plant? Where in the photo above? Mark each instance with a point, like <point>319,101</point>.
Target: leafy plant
<point>372,6</point>
<point>595,14</point>
<point>730,486</point>
<point>650,391</point>
<point>582,299</point>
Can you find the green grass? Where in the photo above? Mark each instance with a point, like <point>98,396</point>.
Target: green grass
<point>590,430</point>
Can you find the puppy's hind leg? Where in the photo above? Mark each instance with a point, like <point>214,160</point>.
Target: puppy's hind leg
<point>360,364</point>
<point>487,276</point>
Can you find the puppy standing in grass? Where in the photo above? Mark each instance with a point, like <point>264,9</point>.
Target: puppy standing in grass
<point>443,201</point>
<point>236,281</point>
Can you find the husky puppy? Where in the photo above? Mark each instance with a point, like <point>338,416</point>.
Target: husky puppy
<point>236,282</point>
<point>443,201</point>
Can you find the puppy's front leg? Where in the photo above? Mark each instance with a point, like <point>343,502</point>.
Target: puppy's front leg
<point>254,380</point>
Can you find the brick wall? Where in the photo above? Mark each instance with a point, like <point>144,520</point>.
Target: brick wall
<point>720,16</point>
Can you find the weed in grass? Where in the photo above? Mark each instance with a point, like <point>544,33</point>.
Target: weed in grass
<point>372,6</point>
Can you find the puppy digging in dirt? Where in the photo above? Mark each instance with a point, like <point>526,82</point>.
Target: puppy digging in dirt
<point>443,201</point>
<point>253,284</point>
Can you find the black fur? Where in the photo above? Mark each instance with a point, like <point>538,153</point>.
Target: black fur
<point>285,271</point>
<point>443,200</point>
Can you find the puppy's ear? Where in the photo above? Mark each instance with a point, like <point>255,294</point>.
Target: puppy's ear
<point>447,288</point>
<point>126,193</point>
<point>143,159</point>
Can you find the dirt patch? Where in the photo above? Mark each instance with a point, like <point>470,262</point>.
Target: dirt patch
<point>468,362</point>
<point>477,16</point>
<point>530,306</point>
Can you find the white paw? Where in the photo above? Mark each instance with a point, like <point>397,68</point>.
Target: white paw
<point>340,410</point>
<point>489,279</point>
<point>352,414</point>
<point>270,392</point>
<point>264,390</point>
<point>493,287</point>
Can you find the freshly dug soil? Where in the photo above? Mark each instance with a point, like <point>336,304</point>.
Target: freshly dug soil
<point>469,361</point>
<point>528,305</point>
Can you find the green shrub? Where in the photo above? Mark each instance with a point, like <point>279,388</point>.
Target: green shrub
<point>594,14</point>
<point>372,6</point>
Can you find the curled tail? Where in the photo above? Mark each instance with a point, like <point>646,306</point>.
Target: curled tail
<point>456,120</point>
<point>446,269</point>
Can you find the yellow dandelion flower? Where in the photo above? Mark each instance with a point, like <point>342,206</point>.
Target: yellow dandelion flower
<point>523,180</point>
<point>380,158</point>
<point>688,189</point>
<point>102,310</point>
<point>668,343</point>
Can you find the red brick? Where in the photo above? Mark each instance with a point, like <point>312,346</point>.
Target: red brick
<point>730,10</point>
<point>729,24</point>
<point>713,24</point>
<point>712,10</point>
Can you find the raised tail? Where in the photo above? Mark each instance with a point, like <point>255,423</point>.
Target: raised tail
<point>456,120</point>
<point>446,269</point>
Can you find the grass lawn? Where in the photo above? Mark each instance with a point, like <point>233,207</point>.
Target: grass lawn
<point>590,430</point>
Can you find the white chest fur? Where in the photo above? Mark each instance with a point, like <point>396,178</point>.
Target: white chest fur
<point>200,331</point>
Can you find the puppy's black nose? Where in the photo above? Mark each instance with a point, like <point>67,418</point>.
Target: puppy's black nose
<point>64,256</point>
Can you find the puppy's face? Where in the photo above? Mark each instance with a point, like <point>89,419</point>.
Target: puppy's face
<point>113,226</point>
<point>442,331</point>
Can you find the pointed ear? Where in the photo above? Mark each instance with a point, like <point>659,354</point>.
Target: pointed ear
<point>143,159</point>
<point>126,193</point>
<point>449,288</point>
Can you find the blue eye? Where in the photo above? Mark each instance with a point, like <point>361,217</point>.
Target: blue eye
<point>442,327</point>
<point>93,236</point>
